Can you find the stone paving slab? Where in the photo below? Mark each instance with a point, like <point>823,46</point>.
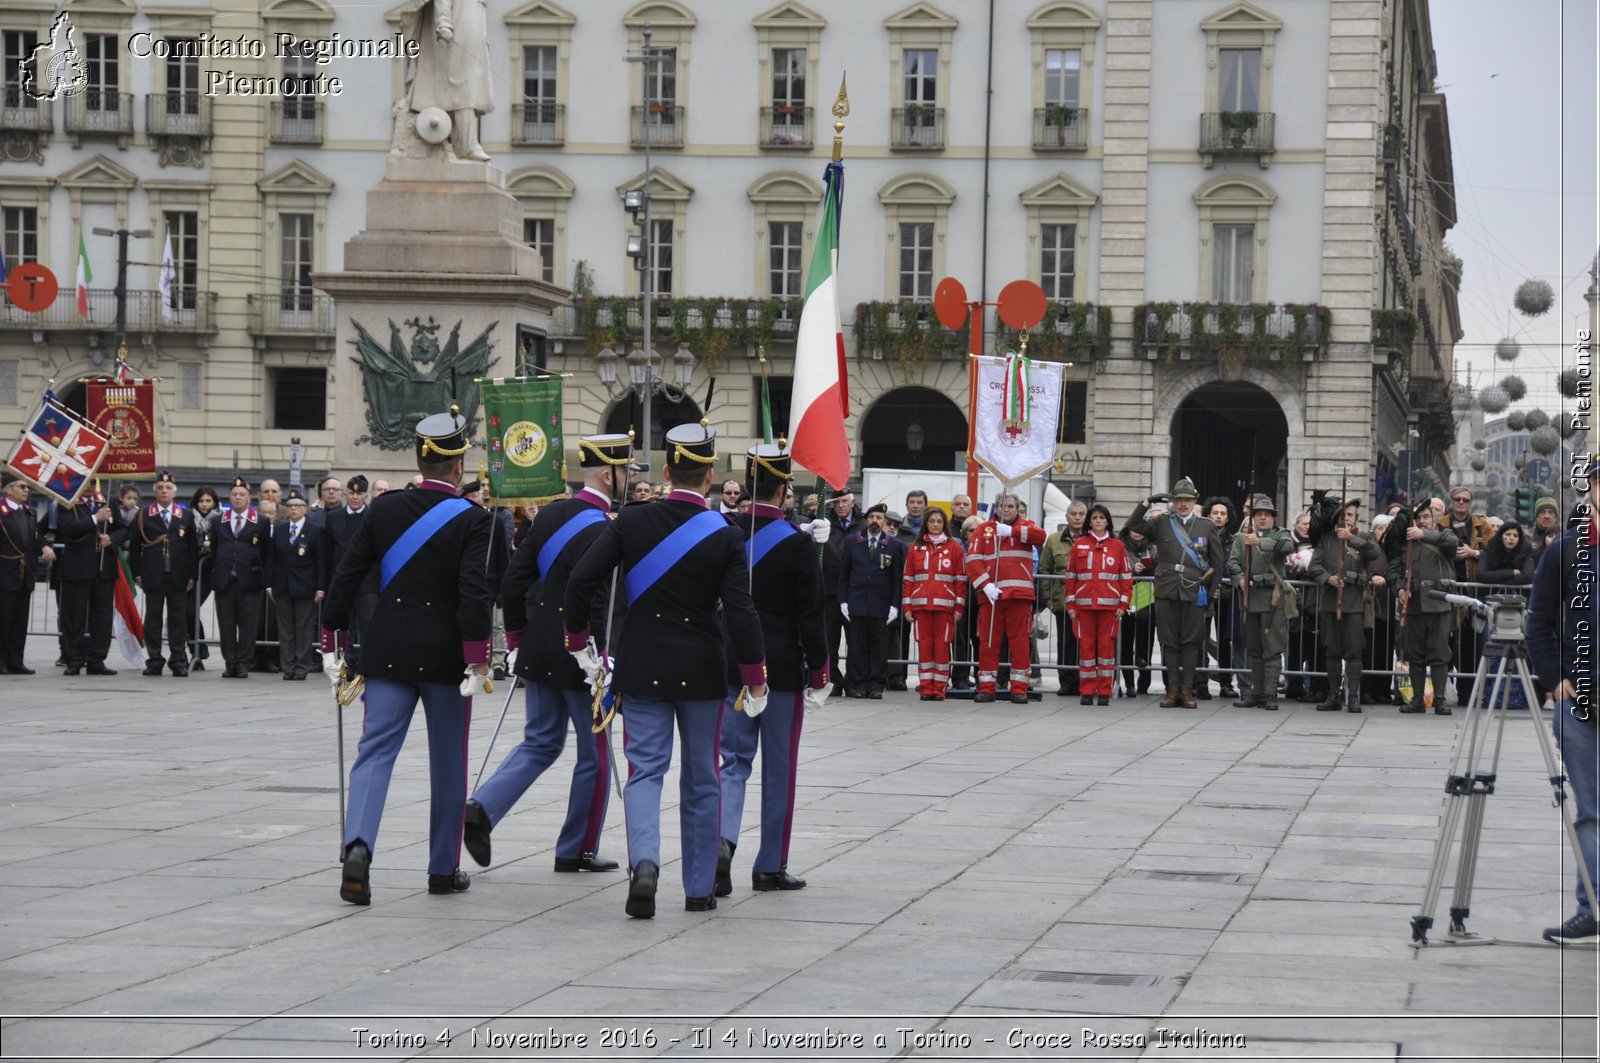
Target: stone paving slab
<point>1006,875</point>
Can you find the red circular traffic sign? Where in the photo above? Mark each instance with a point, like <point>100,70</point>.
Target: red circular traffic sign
<point>31,287</point>
<point>950,304</point>
<point>1022,305</point>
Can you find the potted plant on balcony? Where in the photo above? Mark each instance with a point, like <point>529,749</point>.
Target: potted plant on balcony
<point>1060,117</point>
<point>1237,127</point>
<point>913,116</point>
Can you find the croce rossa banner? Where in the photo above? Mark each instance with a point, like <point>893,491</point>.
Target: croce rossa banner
<point>1018,409</point>
<point>126,413</point>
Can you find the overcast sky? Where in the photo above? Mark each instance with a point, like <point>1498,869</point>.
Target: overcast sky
<point>1520,84</point>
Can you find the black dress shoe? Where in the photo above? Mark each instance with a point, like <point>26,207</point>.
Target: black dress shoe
<point>1442,709</point>
<point>982,699</point>
<point>1103,699</point>
<point>765,881</point>
<point>874,695</point>
<point>19,669</point>
<point>72,669</point>
<point>1352,708</point>
<point>181,672</point>
<point>1270,705</point>
<point>897,684</point>
<point>458,881</point>
<point>642,891</point>
<point>152,670</point>
<point>287,676</point>
<point>1331,705</point>
<point>1087,699</point>
<point>1247,703</point>
<point>355,887</point>
<point>925,697</point>
<point>100,669</point>
<point>700,904</point>
<point>724,884</point>
<point>1019,699</point>
<point>475,834</point>
<point>854,692</point>
<point>586,862</point>
<point>1414,706</point>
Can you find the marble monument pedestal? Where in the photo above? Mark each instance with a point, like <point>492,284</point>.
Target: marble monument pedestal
<point>442,252</point>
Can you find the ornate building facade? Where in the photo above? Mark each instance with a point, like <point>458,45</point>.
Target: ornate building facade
<point>1236,211</point>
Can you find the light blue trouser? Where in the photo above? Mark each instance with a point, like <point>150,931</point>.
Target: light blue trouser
<point>647,743</point>
<point>389,706</point>
<point>549,710</point>
<point>777,731</point>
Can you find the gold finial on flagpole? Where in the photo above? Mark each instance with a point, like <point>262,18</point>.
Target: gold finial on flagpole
<point>841,110</point>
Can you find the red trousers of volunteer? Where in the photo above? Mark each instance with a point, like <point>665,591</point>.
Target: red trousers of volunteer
<point>1007,620</point>
<point>1097,650</point>
<point>936,629</point>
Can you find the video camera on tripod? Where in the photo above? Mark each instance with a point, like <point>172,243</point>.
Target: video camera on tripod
<point>1505,613</point>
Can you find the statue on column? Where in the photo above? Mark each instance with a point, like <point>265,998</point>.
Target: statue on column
<point>451,72</point>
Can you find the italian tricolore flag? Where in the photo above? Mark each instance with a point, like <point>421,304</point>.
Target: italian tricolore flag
<point>85,278</point>
<point>127,624</point>
<point>821,399</point>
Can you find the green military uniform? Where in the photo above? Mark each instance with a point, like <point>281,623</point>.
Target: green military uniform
<point>1343,619</point>
<point>1266,618</point>
<point>1427,620</point>
<point>1179,580</point>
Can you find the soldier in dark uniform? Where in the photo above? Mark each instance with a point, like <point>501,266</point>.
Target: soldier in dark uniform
<point>165,561</point>
<point>297,581</point>
<point>1347,565</point>
<point>239,577</point>
<point>786,586</point>
<point>1256,568</point>
<point>1432,560</point>
<point>341,524</point>
<point>1188,566</point>
<point>21,545</point>
<point>429,546</point>
<point>678,559</point>
<point>557,693</point>
<point>87,536</point>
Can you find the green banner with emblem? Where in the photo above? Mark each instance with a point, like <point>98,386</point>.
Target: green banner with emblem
<point>527,460</point>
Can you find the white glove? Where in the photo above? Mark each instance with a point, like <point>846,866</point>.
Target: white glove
<point>1002,530</point>
<point>893,612</point>
<point>476,684</point>
<point>588,658</point>
<point>820,530</point>
<point>511,660</point>
<point>813,699</point>
<point>844,610</point>
<point>754,706</point>
<point>991,592</point>
<point>333,668</point>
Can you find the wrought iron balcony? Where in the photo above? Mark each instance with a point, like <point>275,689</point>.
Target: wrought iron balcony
<point>1233,333</point>
<point>22,113</point>
<point>916,127</point>
<point>660,125</point>
<point>294,312</point>
<point>538,122</point>
<point>1060,128</point>
<point>296,121</point>
<point>177,114</point>
<point>786,127</point>
<point>1233,133</point>
<point>100,113</point>
<point>195,314</point>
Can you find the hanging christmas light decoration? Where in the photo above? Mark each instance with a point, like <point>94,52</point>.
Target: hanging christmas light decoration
<point>1516,420</point>
<point>1515,387</point>
<point>1507,349</point>
<point>1544,440</point>
<point>1536,419</point>
<point>1480,443</point>
<point>1494,399</point>
<point>1533,298</point>
<point>1479,464</point>
<point>1567,383</point>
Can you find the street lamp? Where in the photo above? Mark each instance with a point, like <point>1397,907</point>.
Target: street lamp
<point>606,365</point>
<point>914,438</point>
<point>640,245</point>
<point>645,380</point>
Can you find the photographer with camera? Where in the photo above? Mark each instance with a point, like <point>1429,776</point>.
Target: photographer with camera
<point>1563,619</point>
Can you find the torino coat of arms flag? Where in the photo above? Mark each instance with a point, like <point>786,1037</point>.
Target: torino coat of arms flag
<point>58,452</point>
<point>1018,416</point>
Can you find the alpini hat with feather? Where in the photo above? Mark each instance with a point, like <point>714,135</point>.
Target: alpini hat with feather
<point>1184,488</point>
<point>442,436</point>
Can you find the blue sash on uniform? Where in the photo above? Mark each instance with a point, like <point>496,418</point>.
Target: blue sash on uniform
<point>669,551</point>
<point>768,537</point>
<point>556,543</point>
<point>406,547</point>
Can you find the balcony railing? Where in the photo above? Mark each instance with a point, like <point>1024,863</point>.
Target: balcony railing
<point>660,125</point>
<point>786,127</point>
<point>100,113</point>
<point>197,313</point>
<point>21,113</point>
<point>1234,333</point>
<point>296,312</point>
<point>177,114</point>
<point>296,121</point>
<point>538,122</point>
<point>916,127</point>
<point>1237,133</point>
<point>1060,128</point>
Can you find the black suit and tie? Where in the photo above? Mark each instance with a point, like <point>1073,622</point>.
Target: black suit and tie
<point>297,566</point>
<point>165,560</point>
<point>88,575</point>
<point>238,578</point>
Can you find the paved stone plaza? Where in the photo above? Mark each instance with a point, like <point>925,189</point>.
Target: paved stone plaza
<point>169,889</point>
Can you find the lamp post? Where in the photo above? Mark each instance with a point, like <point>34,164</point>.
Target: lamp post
<point>644,249</point>
<point>122,277</point>
<point>644,380</point>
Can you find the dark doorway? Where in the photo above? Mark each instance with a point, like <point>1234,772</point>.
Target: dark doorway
<point>914,428</point>
<point>1230,437</point>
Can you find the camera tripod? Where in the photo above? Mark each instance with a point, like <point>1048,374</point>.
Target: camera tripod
<point>1475,763</point>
